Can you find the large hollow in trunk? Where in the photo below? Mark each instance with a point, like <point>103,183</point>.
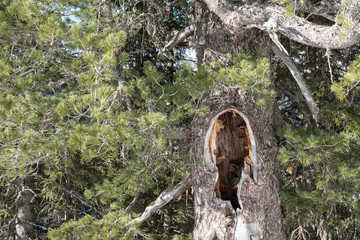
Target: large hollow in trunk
<point>230,147</point>
<point>235,187</point>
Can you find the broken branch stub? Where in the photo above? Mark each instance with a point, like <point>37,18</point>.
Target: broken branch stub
<point>231,148</point>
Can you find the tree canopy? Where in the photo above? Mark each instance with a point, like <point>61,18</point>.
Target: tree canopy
<point>97,98</point>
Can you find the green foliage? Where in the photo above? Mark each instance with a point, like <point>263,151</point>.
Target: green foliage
<point>322,175</point>
<point>290,8</point>
<point>88,227</point>
<point>343,21</point>
<point>93,112</point>
<point>350,81</point>
<point>173,221</point>
<point>320,160</point>
<point>251,74</point>
<point>290,5</point>
<point>90,116</point>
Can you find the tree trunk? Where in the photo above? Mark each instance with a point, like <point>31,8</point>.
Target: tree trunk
<point>25,210</point>
<point>227,207</point>
<point>236,188</point>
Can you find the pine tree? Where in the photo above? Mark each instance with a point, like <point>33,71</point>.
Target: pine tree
<point>103,123</point>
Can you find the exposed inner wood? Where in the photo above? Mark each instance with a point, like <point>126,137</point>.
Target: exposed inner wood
<point>230,148</point>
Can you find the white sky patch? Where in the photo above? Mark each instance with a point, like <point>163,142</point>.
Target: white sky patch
<point>190,58</point>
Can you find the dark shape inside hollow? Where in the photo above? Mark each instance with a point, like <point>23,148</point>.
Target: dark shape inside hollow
<point>230,147</point>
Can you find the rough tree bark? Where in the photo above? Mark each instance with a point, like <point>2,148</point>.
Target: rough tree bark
<point>25,210</point>
<point>228,26</point>
<point>273,17</point>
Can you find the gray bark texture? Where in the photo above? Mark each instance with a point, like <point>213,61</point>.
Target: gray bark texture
<point>25,210</point>
<point>260,214</point>
<point>236,17</point>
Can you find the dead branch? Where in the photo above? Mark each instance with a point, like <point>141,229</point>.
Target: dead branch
<point>295,28</point>
<point>299,80</point>
<point>137,194</point>
<point>163,199</point>
<point>178,38</point>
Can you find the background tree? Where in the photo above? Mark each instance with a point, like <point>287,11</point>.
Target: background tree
<point>80,105</point>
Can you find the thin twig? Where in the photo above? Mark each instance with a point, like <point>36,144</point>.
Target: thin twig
<point>328,56</point>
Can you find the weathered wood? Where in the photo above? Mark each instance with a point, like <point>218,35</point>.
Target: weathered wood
<point>260,214</point>
<point>163,199</point>
<point>300,81</point>
<point>236,17</point>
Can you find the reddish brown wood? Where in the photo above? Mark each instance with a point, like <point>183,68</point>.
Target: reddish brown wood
<point>229,146</point>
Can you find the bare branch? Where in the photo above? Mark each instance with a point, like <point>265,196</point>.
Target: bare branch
<point>300,81</point>
<point>178,38</point>
<point>271,29</point>
<point>137,194</point>
<point>6,87</point>
<point>163,199</point>
<point>294,27</point>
